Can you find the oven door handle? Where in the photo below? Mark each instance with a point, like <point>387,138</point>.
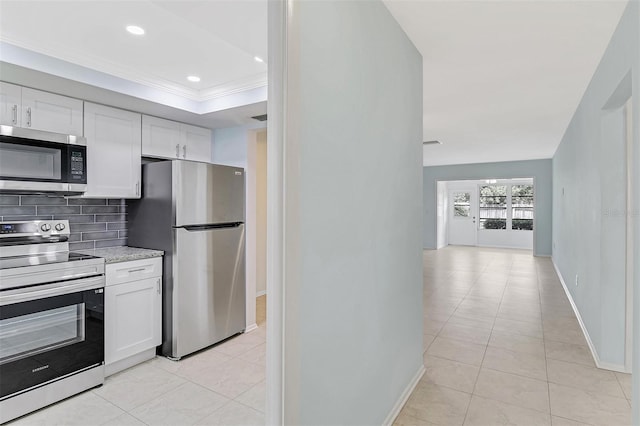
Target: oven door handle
<point>49,290</point>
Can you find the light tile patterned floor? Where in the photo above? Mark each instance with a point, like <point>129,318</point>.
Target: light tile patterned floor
<point>223,385</point>
<point>502,346</point>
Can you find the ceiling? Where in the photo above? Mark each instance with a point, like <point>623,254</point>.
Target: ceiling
<point>501,78</point>
<point>215,40</point>
<point>86,41</point>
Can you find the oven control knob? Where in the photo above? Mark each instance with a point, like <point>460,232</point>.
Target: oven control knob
<point>45,227</point>
<point>59,226</point>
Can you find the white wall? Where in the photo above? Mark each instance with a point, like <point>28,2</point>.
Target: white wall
<point>351,212</point>
<point>230,146</point>
<point>505,238</point>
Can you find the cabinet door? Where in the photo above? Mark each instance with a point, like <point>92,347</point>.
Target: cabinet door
<point>133,318</point>
<point>160,138</point>
<point>196,143</point>
<point>10,101</point>
<point>113,152</point>
<point>50,112</point>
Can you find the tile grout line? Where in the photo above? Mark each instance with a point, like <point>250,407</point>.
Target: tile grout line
<point>544,344</point>
<point>114,404</point>
<point>475,384</point>
<point>621,386</point>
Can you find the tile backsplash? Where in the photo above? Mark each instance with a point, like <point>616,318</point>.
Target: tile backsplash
<point>93,223</point>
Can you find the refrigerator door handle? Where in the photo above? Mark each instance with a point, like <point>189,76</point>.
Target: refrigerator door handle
<point>211,226</point>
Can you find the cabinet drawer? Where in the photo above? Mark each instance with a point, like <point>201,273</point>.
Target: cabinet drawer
<point>134,270</point>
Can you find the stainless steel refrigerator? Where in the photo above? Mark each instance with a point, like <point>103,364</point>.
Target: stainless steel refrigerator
<point>195,213</point>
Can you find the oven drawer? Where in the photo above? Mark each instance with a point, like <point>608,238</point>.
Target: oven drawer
<point>123,272</point>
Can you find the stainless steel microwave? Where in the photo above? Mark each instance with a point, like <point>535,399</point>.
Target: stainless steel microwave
<point>33,161</point>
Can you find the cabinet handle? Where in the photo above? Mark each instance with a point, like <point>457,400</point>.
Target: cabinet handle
<point>15,114</point>
<point>137,188</point>
<point>159,287</point>
<point>29,117</point>
<point>184,151</point>
<point>131,271</point>
<point>177,150</point>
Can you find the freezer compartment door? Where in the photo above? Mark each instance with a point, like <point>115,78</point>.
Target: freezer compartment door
<point>208,287</point>
<point>207,193</point>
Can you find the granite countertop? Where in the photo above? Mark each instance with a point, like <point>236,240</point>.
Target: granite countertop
<point>122,254</point>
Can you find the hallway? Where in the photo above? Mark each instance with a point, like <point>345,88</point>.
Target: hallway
<point>503,346</point>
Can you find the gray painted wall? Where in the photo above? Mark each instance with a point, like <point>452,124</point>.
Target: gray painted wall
<point>229,146</point>
<point>635,404</point>
<point>353,188</point>
<point>540,170</point>
<point>589,196</point>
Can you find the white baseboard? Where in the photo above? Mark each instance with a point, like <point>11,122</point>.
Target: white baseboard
<point>404,397</point>
<point>251,327</point>
<point>129,362</point>
<point>502,247</point>
<point>261,293</point>
<point>592,348</point>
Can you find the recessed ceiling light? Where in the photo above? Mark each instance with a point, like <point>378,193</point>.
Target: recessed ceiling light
<point>193,78</point>
<point>134,29</point>
<point>258,59</point>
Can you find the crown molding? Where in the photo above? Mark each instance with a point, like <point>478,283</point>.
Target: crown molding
<point>127,73</point>
<point>233,87</point>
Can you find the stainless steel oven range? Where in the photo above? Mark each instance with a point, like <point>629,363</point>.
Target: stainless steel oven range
<point>51,317</point>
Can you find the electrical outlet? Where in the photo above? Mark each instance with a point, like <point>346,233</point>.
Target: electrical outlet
<point>576,280</point>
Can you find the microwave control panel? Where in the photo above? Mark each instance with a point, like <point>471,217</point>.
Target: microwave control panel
<point>77,162</point>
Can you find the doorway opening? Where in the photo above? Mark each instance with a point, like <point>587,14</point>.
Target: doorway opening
<point>486,213</point>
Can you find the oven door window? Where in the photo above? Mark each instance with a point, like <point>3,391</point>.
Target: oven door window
<point>32,162</point>
<point>31,334</point>
<point>45,339</point>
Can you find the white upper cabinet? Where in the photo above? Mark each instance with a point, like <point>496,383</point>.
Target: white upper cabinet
<point>113,152</point>
<point>160,138</point>
<point>169,139</point>
<point>196,143</point>
<point>34,109</point>
<point>10,104</point>
<point>53,113</point>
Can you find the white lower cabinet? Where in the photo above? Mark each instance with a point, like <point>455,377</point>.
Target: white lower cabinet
<point>133,313</point>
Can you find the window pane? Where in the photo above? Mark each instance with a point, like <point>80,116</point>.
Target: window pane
<point>461,204</point>
<point>522,207</point>
<point>493,207</point>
